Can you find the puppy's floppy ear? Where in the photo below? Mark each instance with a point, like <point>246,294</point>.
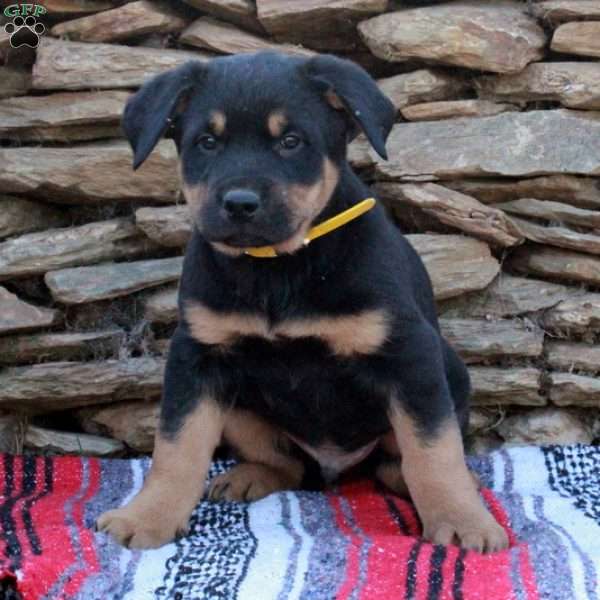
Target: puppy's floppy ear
<point>152,109</point>
<point>347,86</point>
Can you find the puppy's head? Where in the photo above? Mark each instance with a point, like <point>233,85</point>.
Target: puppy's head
<point>261,140</point>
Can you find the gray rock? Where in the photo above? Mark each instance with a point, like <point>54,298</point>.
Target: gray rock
<point>17,315</point>
<point>91,284</point>
<point>455,209</point>
<point>543,426</point>
<point>577,191</point>
<point>51,441</point>
<point>63,385</point>
<point>573,84</point>
<point>580,314</point>
<point>573,356</point>
<point>497,36</point>
<point>130,20</point>
<point>567,389</point>
<point>63,117</point>
<point>508,296</point>
<point>493,386</point>
<point>559,11</point>
<point>454,109</point>
<point>168,226</point>
<point>582,39</point>
<point>238,12</point>
<point>63,65</point>
<point>134,423</point>
<point>423,85</point>
<point>456,264</point>
<point>462,147</point>
<point>478,340</point>
<point>161,307</point>
<point>42,347</point>
<point>56,173</point>
<point>547,261</point>
<point>323,25</point>
<point>18,216</point>
<point>221,37</point>
<point>37,253</point>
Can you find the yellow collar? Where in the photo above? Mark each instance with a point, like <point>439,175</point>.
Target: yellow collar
<point>321,229</point>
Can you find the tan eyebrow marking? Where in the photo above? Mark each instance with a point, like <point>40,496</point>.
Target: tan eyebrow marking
<point>217,122</point>
<point>276,123</point>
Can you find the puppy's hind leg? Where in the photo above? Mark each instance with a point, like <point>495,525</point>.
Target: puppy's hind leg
<point>269,466</point>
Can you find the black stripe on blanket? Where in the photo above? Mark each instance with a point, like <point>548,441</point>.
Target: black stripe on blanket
<point>12,496</point>
<point>411,575</point>
<point>574,472</point>
<point>9,529</point>
<point>436,579</point>
<point>212,561</point>
<point>32,536</point>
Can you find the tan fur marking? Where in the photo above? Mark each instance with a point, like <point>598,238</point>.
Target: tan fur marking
<point>306,202</point>
<point>276,123</point>
<point>363,333</point>
<point>226,249</point>
<point>175,484</point>
<point>444,493</point>
<point>196,196</point>
<point>217,122</point>
<point>390,474</point>
<point>334,100</point>
<point>216,328</point>
<point>269,468</point>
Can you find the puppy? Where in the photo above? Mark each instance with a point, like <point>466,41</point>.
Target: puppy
<point>295,352</point>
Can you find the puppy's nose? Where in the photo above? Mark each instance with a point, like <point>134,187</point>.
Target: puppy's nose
<point>241,204</point>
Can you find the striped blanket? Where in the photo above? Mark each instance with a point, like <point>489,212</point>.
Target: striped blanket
<point>355,542</point>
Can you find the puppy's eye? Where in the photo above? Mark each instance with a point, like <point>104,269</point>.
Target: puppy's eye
<point>290,141</point>
<point>208,142</point>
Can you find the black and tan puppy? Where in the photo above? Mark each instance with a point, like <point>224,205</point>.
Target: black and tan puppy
<point>330,351</point>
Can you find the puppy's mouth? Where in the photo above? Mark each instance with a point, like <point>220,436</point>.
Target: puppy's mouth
<point>246,240</point>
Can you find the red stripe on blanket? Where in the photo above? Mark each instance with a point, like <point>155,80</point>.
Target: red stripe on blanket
<point>494,576</point>
<point>388,554</point>
<point>90,563</point>
<point>42,573</point>
<point>490,576</point>
<point>527,573</point>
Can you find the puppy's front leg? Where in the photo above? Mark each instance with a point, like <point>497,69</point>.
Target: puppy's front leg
<point>190,429</point>
<point>433,462</point>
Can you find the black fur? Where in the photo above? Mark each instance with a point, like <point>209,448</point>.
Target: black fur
<point>298,385</point>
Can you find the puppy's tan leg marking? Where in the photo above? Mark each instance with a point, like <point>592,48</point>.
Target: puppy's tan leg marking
<point>269,469</point>
<point>442,489</point>
<point>161,510</point>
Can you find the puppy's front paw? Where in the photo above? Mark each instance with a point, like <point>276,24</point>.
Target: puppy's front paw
<point>473,530</point>
<point>141,529</point>
<point>247,482</point>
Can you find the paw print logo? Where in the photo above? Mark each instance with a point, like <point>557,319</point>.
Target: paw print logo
<point>24,31</point>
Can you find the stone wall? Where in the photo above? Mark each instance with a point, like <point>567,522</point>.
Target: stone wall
<point>493,173</point>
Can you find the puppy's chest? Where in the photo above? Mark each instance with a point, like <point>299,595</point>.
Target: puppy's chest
<point>347,334</point>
